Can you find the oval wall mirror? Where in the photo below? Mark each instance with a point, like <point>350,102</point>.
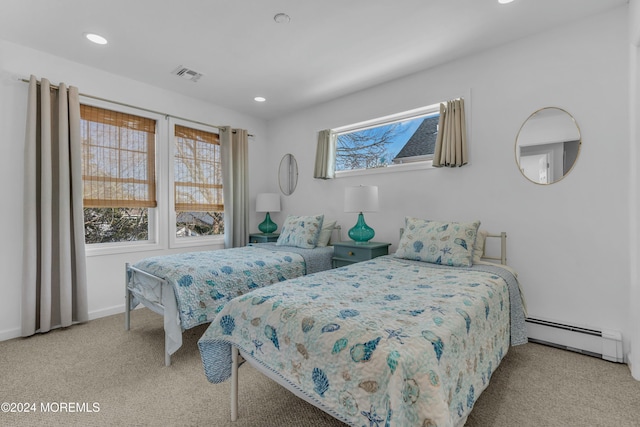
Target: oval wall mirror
<point>547,145</point>
<point>288,174</point>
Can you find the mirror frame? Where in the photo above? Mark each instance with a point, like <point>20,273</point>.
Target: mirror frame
<point>517,159</point>
<point>288,174</point>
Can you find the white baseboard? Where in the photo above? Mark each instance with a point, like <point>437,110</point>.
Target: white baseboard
<point>117,309</point>
<point>9,334</point>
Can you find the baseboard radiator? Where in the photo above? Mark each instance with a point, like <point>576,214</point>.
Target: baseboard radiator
<point>602,344</point>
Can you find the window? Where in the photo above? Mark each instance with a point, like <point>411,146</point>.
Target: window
<point>199,205</point>
<point>393,140</point>
<point>118,171</point>
<point>150,181</point>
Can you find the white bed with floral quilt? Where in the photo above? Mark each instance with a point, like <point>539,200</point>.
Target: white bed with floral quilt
<point>189,289</point>
<point>405,339</point>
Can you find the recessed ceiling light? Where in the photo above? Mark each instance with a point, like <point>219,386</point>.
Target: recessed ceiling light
<point>282,18</point>
<point>504,1</point>
<point>259,99</point>
<point>97,39</point>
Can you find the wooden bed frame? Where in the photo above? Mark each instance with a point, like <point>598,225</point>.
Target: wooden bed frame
<point>238,356</point>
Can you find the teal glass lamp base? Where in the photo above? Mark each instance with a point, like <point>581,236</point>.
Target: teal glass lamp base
<point>361,233</point>
<point>267,226</point>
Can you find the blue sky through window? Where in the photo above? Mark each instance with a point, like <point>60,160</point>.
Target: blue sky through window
<point>408,129</point>
<point>395,134</point>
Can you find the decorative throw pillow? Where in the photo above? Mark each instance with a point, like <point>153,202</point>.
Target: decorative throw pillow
<point>438,242</point>
<point>325,233</point>
<point>478,246</point>
<point>301,231</point>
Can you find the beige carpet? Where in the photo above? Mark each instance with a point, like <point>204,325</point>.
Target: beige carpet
<point>124,374</point>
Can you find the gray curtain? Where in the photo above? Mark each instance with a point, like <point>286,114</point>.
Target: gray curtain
<point>451,144</point>
<point>325,155</point>
<point>54,288</point>
<point>234,150</point>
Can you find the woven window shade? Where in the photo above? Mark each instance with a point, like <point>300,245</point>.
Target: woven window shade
<point>118,165</point>
<point>197,171</point>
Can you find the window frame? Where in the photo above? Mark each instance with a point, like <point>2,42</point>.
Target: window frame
<point>155,215</point>
<point>411,165</point>
<point>174,241</point>
<point>434,104</point>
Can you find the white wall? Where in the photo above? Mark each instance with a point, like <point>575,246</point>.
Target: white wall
<point>569,241</point>
<point>105,273</point>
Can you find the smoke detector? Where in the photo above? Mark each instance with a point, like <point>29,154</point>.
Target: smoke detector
<point>187,73</point>
<point>282,18</point>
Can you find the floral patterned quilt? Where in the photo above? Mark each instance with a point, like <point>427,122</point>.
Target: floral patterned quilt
<point>204,281</point>
<point>382,342</point>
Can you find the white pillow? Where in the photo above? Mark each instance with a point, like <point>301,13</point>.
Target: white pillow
<point>478,246</point>
<point>325,233</point>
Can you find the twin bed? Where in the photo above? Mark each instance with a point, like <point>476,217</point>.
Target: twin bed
<point>189,289</point>
<point>405,339</point>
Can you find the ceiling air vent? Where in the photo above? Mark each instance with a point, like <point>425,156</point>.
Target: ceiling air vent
<point>187,73</point>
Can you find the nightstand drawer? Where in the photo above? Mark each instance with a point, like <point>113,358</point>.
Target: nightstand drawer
<point>337,263</point>
<point>345,253</point>
<point>263,238</point>
<point>352,253</point>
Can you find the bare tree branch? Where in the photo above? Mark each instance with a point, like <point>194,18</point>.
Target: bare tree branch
<point>366,148</point>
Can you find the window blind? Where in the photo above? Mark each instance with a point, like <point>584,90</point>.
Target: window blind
<point>197,171</point>
<point>118,165</point>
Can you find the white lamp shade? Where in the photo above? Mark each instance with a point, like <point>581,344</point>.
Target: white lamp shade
<point>361,199</point>
<point>268,202</point>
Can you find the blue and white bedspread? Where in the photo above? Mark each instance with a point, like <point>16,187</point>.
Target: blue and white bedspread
<point>315,260</point>
<point>204,281</point>
<point>382,342</point>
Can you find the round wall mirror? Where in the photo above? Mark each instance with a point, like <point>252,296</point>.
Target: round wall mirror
<point>288,174</point>
<point>547,145</point>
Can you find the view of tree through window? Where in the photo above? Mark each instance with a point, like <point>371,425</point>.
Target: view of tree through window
<point>105,225</point>
<point>118,172</point>
<point>190,224</point>
<point>119,177</point>
<point>198,183</point>
<point>407,140</point>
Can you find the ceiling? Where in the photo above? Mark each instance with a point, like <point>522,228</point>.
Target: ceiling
<point>330,48</point>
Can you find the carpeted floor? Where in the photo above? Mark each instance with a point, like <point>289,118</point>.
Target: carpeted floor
<point>121,377</point>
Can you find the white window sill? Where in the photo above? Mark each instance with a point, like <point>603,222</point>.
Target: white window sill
<point>190,242</point>
<point>405,167</point>
<point>98,249</point>
<point>101,249</point>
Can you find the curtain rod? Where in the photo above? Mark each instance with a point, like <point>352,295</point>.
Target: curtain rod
<point>137,108</point>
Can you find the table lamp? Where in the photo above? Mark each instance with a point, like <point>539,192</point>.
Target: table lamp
<point>268,202</point>
<point>361,199</point>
